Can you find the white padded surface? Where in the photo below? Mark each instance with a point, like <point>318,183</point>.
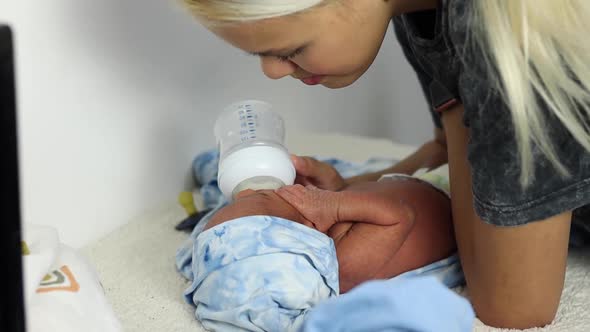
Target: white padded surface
<point>136,262</point>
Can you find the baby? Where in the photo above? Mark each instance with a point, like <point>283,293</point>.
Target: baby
<point>379,229</point>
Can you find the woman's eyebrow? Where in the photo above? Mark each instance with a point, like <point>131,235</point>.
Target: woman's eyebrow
<point>280,52</point>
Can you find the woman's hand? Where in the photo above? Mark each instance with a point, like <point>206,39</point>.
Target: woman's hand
<point>430,155</point>
<point>319,208</point>
<point>316,173</point>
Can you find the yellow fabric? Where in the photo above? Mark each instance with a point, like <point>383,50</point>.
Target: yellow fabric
<point>24,248</point>
<point>186,200</point>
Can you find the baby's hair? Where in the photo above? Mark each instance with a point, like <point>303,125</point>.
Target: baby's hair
<point>539,48</point>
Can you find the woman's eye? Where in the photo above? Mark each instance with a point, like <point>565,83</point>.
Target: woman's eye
<point>290,56</point>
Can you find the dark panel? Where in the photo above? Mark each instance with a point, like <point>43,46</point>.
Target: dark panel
<point>11,300</point>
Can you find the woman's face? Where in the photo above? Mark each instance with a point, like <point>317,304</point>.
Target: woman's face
<point>332,45</point>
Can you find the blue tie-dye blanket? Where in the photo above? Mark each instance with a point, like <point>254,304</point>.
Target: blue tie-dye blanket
<point>262,273</point>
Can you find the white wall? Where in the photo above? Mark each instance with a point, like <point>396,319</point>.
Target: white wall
<point>117,96</point>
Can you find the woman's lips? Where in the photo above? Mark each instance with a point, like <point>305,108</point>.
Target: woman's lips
<point>313,80</point>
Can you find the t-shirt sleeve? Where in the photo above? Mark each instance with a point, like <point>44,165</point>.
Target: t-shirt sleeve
<point>495,160</point>
<point>423,78</point>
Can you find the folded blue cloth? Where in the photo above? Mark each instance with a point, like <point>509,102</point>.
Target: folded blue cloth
<point>261,273</point>
<point>420,304</point>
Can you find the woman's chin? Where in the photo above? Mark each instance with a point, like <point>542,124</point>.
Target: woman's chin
<point>338,83</point>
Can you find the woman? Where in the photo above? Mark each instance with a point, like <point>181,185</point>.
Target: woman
<point>508,82</point>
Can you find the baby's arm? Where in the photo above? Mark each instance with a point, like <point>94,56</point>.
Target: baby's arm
<point>324,208</point>
<point>365,250</point>
<point>380,229</point>
<point>374,207</point>
<point>369,227</point>
<point>369,251</point>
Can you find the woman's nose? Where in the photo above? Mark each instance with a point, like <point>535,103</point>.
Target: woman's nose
<point>275,68</point>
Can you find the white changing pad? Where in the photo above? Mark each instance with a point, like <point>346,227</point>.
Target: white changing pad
<point>136,262</point>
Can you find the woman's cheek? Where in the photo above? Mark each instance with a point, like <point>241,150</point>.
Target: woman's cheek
<point>321,63</point>
<point>312,67</point>
<point>324,67</point>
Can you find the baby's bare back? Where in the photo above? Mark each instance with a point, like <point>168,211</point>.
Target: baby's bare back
<point>368,250</point>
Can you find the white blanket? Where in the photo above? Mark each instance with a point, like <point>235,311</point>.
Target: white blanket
<point>145,290</point>
<point>62,291</point>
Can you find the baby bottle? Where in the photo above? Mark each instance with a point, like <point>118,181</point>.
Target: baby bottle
<point>250,138</point>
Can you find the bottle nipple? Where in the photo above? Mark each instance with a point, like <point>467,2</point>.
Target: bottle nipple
<point>258,183</point>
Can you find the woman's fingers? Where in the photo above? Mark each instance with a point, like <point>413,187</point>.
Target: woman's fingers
<point>292,194</point>
<point>309,167</point>
<point>302,165</point>
<point>310,171</point>
<point>302,180</point>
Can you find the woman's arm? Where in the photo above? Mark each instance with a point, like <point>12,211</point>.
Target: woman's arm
<point>322,175</point>
<point>515,275</point>
<point>430,155</point>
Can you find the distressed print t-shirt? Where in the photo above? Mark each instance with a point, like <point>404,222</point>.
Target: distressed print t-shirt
<point>436,44</point>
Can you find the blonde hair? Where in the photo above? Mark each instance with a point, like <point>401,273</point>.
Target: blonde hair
<point>537,47</point>
<point>232,11</point>
<point>541,52</point>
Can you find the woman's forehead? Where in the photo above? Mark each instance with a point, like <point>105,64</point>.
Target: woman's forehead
<point>278,34</point>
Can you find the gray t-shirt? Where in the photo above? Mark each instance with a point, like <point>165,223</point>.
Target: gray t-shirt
<point>448,67</point>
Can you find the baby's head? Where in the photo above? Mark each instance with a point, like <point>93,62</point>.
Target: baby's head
<point>255,203</point>
<point>259,272</point>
